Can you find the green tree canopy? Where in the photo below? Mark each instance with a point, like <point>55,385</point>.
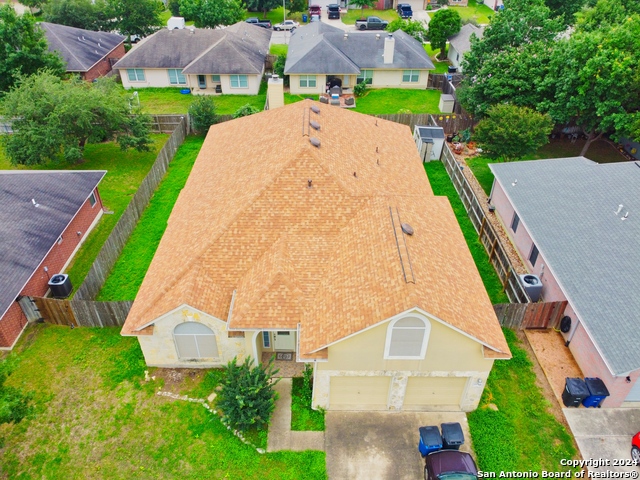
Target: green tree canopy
<point>262,5</point>
<point>54,118</point>
<point>78,13</point>
<point>443,24</point>
<point>607,13</point>
<point>362,4</point>
<point>212,13</point>
<point>135,17</point>
<point>565,9</point>
<point>294,6</point>
<point>414,28</point>
<point>24,48</point>
<point>511,132</point>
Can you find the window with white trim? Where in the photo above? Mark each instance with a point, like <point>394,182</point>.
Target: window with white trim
<point>533,256</point>
<point>215,78</point>
<point>365,76</point>
<point>92,199</point>
<point>195,340</point>
<point>407,338</point>
<point>307,81</point>
<point>266,339</point>
<point>135,74</point>
<point>239,81</point>
<point>410,76</point>
<point>515,221</point>
<point>176,77</point>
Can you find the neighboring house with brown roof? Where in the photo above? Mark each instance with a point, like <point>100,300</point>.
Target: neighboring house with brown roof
<point>85,52</point>
<point>229,60</point>
<point>460,43</point>
<point>320,55</point>
<point>277,245</point>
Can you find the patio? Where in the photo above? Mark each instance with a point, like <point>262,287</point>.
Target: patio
<point>287,368</point>
<point>346,100</point>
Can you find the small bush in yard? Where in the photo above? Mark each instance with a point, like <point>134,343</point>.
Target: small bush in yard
<point>246,396</point>
<point>359,89</point>
<point>245,110</point>
<point>14,405</point>
<point>202,112</point>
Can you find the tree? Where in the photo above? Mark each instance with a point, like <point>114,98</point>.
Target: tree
<point>511,132</point>
<point>362,4</point>
<point>245,110</point>
<point>414,28</point>
<point>34,3</point>
<point>135,17</point>
<point>607,13</point>
<point>262,5</point>
<point>202,113</point>
<point>53,118</point>
<point>565,9</point>
<point>14,405</point>
<point>212,13</point>
<point>444,23</point>
<point>246,396</point>
<point>78,13</point>
<point>24,48</point>
<point>174,7</point>
<point>294,6</point>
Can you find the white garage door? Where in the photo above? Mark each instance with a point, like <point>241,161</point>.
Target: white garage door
<point>424,393</point>
<point>359,393</point>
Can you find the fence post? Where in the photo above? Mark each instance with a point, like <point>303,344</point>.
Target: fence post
<point>493,249</point>
<point>506,280</point>
<point>484,219</point>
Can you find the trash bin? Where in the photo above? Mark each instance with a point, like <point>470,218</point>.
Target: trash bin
<point>452,436</point>
<point>452,69</point>
<point>430,440</point>
<point>597,392</point>
<point>575,390</point>
<point>304,18</point>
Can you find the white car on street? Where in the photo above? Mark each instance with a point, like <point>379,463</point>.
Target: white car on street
<point>286,25</point>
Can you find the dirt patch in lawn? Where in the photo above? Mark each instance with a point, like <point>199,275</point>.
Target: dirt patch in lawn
<point>175,380</point>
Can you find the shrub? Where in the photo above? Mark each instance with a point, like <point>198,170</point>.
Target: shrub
<point>359,89</point>
<point>278,69</point>
<point>245,110</point>
<point>414,28</point>
<point>246,396</point>
<point>14,405</point>
<point>202,112</point>
<point>174,7</point>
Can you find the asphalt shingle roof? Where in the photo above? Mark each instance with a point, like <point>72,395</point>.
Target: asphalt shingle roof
<point>28,232</point>
<point>80,49</point>
<point>568,206</point>
<point>461,41</point>
<point>324,257</point>
<point>321,49</point>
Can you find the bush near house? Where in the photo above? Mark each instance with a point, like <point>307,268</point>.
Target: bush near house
<point>303,417</point>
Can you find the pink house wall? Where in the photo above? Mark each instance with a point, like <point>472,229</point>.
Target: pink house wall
<point>581,346</point>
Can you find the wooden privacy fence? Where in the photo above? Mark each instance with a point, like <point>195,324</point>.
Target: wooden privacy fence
<point>166,123</point>
<point>530,315</point>
<point>112,247</point>
<point>81,313</point>
<point>487,235</point>
<point>450,122</point>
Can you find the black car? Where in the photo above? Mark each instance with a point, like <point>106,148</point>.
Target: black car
<point>333,11</point>
<point>404,10</point>
<point>450,465</point>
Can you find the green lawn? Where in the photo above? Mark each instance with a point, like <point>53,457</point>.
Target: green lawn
<point>392,100</point>
<point>513,429</point>
<point>441,67</point>
<point>278,49</point>
<point>127,274</point>
<point>276,15</point>
<point>480,13</point>
<point>303,417</point>
<point>600,151</point>
<point>441,185</point>
<point>126,170</point>
<point>352,15</point>
<point>96,418</point>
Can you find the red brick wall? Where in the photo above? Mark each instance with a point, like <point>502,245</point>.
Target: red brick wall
<point>104,66</point>
<point>11,324</point>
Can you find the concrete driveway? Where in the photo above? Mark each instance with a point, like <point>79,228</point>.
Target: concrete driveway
<point>604,433</point>
<point>380,445</point>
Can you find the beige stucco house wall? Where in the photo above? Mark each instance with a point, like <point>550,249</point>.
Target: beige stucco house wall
<point>160,78</point>
<point>381,79</point>
<point>153,77</point>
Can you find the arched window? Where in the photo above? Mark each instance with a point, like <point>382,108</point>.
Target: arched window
<point>407,338</point>
<point>195,340</point>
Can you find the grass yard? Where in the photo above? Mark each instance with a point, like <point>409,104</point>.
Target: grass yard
<point>513,429</point>
<point>125,278</point>
<point>276,15</point>
<point>441,67</point>
<point>394,100</point>
<point>303,417</point>
<point>278,49</point>
<point>473,11</point>
<point>352,15</point>
<point>600,151</point>
<point>126,170</point>
<point>441,185</point>
<point>96,418</point>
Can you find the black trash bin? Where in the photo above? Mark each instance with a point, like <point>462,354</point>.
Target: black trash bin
<point>430,440</point>
<point>452,436</point>
<point>452,69</point>
<point>575,390</point>
<point>597,392</point>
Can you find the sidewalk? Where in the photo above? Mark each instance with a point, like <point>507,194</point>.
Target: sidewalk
<point>280,435</point>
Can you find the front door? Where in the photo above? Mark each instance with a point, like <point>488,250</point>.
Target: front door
<point>284,341</point>
<point>202,82</point>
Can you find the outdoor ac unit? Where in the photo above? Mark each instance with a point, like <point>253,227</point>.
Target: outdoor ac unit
<point>532,285</point>
<point>60,285</point>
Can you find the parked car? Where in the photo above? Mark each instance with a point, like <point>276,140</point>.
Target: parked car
<point>333,11</point>
<point>635,448</point>
<point>452,464</point>
<point>260,22</point>
<point>371,23</point>
<point>315,10</point>
<point>286,25</point>
<point>404,10</point>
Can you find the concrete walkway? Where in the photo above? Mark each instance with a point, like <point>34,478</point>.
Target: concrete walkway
<point>280,435</point>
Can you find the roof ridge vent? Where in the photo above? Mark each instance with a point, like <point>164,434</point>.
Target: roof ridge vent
<point>315,142</point>
<point>314,125</point>
<point>315,109</point>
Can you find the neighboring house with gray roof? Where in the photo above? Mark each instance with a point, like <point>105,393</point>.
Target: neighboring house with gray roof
<point>321,55</point>
<point>576,224</point>
<point>45,217</point>
<point>89,54</point>
<point>460,43</point>
<point>229,60</point>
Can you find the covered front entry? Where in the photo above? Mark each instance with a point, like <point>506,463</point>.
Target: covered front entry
<point>425,392</point>
<point>284,341</point>
<point>359,393</point>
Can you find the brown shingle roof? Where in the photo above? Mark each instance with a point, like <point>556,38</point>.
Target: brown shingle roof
<point>324,257</point>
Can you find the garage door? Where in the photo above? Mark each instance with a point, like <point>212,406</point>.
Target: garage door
<point>428,392</point>
<point>359,393</point>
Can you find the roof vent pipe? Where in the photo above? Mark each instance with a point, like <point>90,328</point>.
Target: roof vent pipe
<point>345,36</point>
<point>315,142</point>
<point>315,109</point>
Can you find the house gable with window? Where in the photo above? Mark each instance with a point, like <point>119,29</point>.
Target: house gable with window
<point>229,61</point>
<point>302,251</point>
<point>321,55</point>
<point>460,43</point>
